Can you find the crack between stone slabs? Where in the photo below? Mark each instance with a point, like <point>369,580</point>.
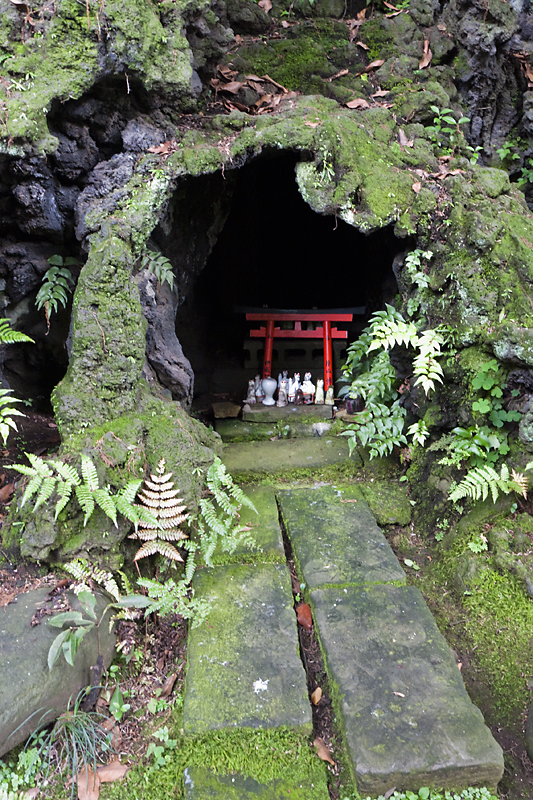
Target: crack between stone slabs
<point>324,722</point>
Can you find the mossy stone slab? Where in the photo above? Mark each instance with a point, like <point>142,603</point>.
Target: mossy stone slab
<point>408,719</point>
<point>388,502</point>
<point>290,413</point>
<point>237,430</point>
<point>244,669</point>
<point>264,528</point>
<point>335,538</point>
<point>204,784</point>
<point>263,458</point>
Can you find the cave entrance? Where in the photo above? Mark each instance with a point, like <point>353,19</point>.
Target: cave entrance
<point>274,251</point>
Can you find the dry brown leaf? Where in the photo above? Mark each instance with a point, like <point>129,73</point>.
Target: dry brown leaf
<point>266,5</point>
<point>389,793</point>
<point>312,124</point>
<point>380,93</point>
<point>441,28</point>
<point>374,65</point>
<point>459,665</point>
<point>6,492</point>
<point>316,696</point>
<point>363,45</point>
<point>529,73</point>
<point>399,694</point>
<point>254,78</point>
<point>337,75</point>
<point>114,771</point>
<point>30,794</point>
<point>238,38</point>
<point>232,87</point>
<point>416,187</point>
<point>389,5</point>
<point>168,685</point>
<point>359,102</point>
<point>88,785</point>
<point>260,91</point>
<point>348,501</point>
<point>161,149</point>
<point>361,15</point>
<point>404,140</point>
<point>305,618</point>
<point>322,750</point>
<point>296,588</point>
<point>227,72</point>
<point>274,83</point>
<point>427,56</point>
<point>285,24</point>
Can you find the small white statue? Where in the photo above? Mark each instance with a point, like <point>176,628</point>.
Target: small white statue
<point>294,385</point>
<point>319,396</point>
<point>308,389</point>
<point>329,396</point>
<point>282,393</point>
<point>250,397</point>
<point>259,391</point>
<point>283,377</point>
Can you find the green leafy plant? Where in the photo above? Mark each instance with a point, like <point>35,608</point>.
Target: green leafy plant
<point>7,408</point>
<point>49,476</point>
<point>471,793</point>
<point>489,401</point>
<point>158,265</point>
<point>55,288</point>
<point>474,445</point>
<point>174,597</point>
<point>157,750</point>
<point>479,544</point>
<point>479,481</point>
<point>507,153</point>
<point>415,271</point>
<point>76,742</point>
<point>446,131</point>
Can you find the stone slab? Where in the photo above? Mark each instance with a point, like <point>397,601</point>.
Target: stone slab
<point>388,501</point>
<point>408,719</point>
<point>236,430</point>
<point>263,458</point>
<point>310,413</point>
<point>204,784</point>
<point>244,669</point>
<point>264,527</point>
<point>29,691</point>
<point>335,538</point>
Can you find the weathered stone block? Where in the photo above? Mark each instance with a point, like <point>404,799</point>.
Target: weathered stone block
<point>408,719</point>
<point>243,664</point>
<point>265,530</point>
<point>335,538</point>
<point>290,413</point>
<point>261,458</point>
<point>203,784</point>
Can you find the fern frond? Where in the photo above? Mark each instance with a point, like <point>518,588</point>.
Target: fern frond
<point>522,481</point>
<point>480,480</point>
<point>46,490</point>
<point>86,501</point>
<point>157,546</point>
<point>158,487</point>
<point>88,471</point>
<point>9,336</point>
<point>107,504</point>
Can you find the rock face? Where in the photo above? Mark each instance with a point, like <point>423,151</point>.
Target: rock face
<point>102,158</point>
<point>30,694</point>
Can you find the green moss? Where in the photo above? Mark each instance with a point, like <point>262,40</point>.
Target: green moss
<point>329,473</point>
<point>264,755</point>
<point>500,621</point>
<point>380,41</point>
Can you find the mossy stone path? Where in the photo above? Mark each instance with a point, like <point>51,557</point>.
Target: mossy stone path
<point>398,695</point>
<point>247,459</point>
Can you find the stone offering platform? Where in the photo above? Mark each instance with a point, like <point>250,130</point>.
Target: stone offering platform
<point>263,458</point>
<point>398,694</point>
<point>261,413</point>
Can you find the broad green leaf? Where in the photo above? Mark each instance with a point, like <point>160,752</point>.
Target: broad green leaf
<point>55,647</point>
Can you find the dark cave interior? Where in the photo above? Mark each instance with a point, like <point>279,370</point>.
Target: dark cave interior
<point>275,251</point>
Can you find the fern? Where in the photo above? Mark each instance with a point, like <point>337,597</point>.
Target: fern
<point>160,266</point>
<point>55,287</point>
<point>480,480</point>
<point>83,572</point>
<point>174,598</point>
<point>158,498</point>
<point>9,336</point>
<point>7,408</point>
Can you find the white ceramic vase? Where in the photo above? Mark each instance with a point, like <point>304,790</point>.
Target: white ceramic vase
<point>269,387</point>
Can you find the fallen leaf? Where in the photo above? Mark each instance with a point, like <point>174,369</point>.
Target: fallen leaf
<point>359,102</point>
<point>404,140</point>
<point>168,685</point>
<point>161,149</point>
<point>88,785</point>
<point>416,187</point>
<point>285,24</point>
<point>337,75</point>
<point>380,93</point>
<point>389,793</point>
<point>441,28</point>
<point>254,78</point>
<point>399,694</point>
<point>305,618</point>
<point>316,696</point>
<point>322,750</point>
<point>238,39</point>
<point>266,5</point>
<point>6,492</point>
<point>108,724</point>
<point>348,501</point>
<point>389,5</point>
<point>30,794</point>
<point>113,771</point>
<point>374,64</point>
<point>427,56</point>
<point>227,72</point>
<point>393,14</point>
<point>232,87</point>
<point>296,588</point>
<point>312,124</point>
<point>363,45</point>
<point>274,83</point>
<point>459,665</point>
<point>361,15</point>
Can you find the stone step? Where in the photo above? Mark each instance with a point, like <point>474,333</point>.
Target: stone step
<point>244,669</point>
<point>264,528</point>
<point>290,413</point>
<point>335,538</point>
<point>237,430</point>
<point>407,717</point>
<point>247,459</point>
<point>203,784</point>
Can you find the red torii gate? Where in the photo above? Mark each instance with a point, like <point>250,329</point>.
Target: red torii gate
<point>326,332</point>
